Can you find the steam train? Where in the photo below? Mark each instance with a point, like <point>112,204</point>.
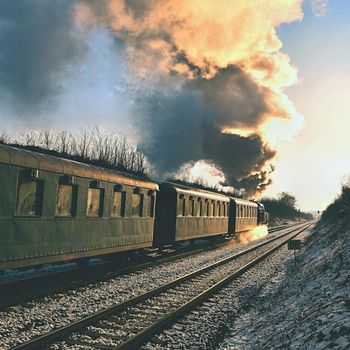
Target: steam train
<point>55,210</point>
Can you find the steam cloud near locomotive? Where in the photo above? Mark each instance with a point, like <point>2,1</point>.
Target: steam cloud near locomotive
<point>185,96</point>
<point>55,209</point>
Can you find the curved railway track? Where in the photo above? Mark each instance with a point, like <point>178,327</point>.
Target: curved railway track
<point>129,324</point>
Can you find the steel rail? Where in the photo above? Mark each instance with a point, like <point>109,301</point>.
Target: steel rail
<point>41,286</point>
<point>60,333</point>
<point>164,322</point>
<point>23,290</point>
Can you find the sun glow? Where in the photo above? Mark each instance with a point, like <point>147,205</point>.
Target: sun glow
<point>251,235</point>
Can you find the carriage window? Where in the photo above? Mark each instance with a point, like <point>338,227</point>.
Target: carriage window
<point>118,209</point>
<point>192,207</point>
<point>219,209</point>
<point>181,206</point>
<point>199,208</point>
<point>150,210</point>
<point>207,208</point>
<point>29,198</point>
<point>241,211</point>
<point>136,204</point>
<point>214,209</point>
<point>95,202</point>
<point>66,200</point>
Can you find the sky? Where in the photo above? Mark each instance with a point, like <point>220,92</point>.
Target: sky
<point>315,163</point>
<point>221,93</point>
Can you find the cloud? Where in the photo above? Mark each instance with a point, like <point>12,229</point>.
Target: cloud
<point>319,7</point>
<point>38,42</point>
<point>199,81</point>
<point>202,74</point>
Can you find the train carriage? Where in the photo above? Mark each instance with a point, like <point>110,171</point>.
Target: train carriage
<point>54,209</point>
<point>185,213</point>
<point>243,215</point>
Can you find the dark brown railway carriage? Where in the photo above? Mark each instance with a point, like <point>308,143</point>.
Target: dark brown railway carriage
<point>54,209</point>
<point>243,215</point>
<point>184,213</point>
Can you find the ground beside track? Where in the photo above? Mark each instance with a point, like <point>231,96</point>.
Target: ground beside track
<point>279,305</point>
<point>23,322</point>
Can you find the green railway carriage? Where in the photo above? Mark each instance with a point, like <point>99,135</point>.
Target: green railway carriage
<point>243,215</point>
<point>54,209</point>
<point>186,213</point>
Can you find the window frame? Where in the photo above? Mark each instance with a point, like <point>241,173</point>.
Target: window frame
<point>122,203</point>
<point>39,196</point>
<point>142,200</point>
<point>74,201</point>
<point>151,199</point>
<point>101,202</point>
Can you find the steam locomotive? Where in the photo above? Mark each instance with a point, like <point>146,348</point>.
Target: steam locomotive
<point>55,210</point>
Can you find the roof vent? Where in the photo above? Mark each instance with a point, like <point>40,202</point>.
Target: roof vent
<point>95,184</point>
<point>31,173</point>
<point>137,190</point>
<point>66,180</point>
<point>118,188</point>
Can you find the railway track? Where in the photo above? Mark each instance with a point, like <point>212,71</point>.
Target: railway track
<point>129,324</point>
<point>24,290</point>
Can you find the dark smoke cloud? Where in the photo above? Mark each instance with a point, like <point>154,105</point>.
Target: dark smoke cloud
<point>38,42</point>
<point>236,155</point>
<point>233,98</point>
<point>181,104</point>
<point>184,125</point>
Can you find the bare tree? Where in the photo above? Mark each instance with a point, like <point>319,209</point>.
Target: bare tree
<point>82,144</point>
<point>47,139</point>
<point>94,145</point>
<point>4,138</point>
<point>63,141</point>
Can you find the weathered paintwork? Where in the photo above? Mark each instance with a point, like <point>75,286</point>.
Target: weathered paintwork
<point>178,227</point>
<point>242,220</point>
<point>26,241</point>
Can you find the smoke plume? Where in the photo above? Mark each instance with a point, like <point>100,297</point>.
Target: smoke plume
<point>37,44</point>
<point>208,77</point>
<point>204,80</point>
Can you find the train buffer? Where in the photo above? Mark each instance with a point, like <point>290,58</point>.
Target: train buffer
<point>168,249</point>
<point>153,253</point>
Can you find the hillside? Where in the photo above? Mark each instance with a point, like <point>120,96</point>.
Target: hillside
<point>307,305</point>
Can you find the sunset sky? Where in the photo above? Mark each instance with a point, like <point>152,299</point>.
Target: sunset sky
<point>316,161</point>
<point>190,82</point>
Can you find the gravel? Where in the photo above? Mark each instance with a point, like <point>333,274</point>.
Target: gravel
<point>202,328</point>
<point>136,318</point>
<point>277,305</point>
<point>21,323</point>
